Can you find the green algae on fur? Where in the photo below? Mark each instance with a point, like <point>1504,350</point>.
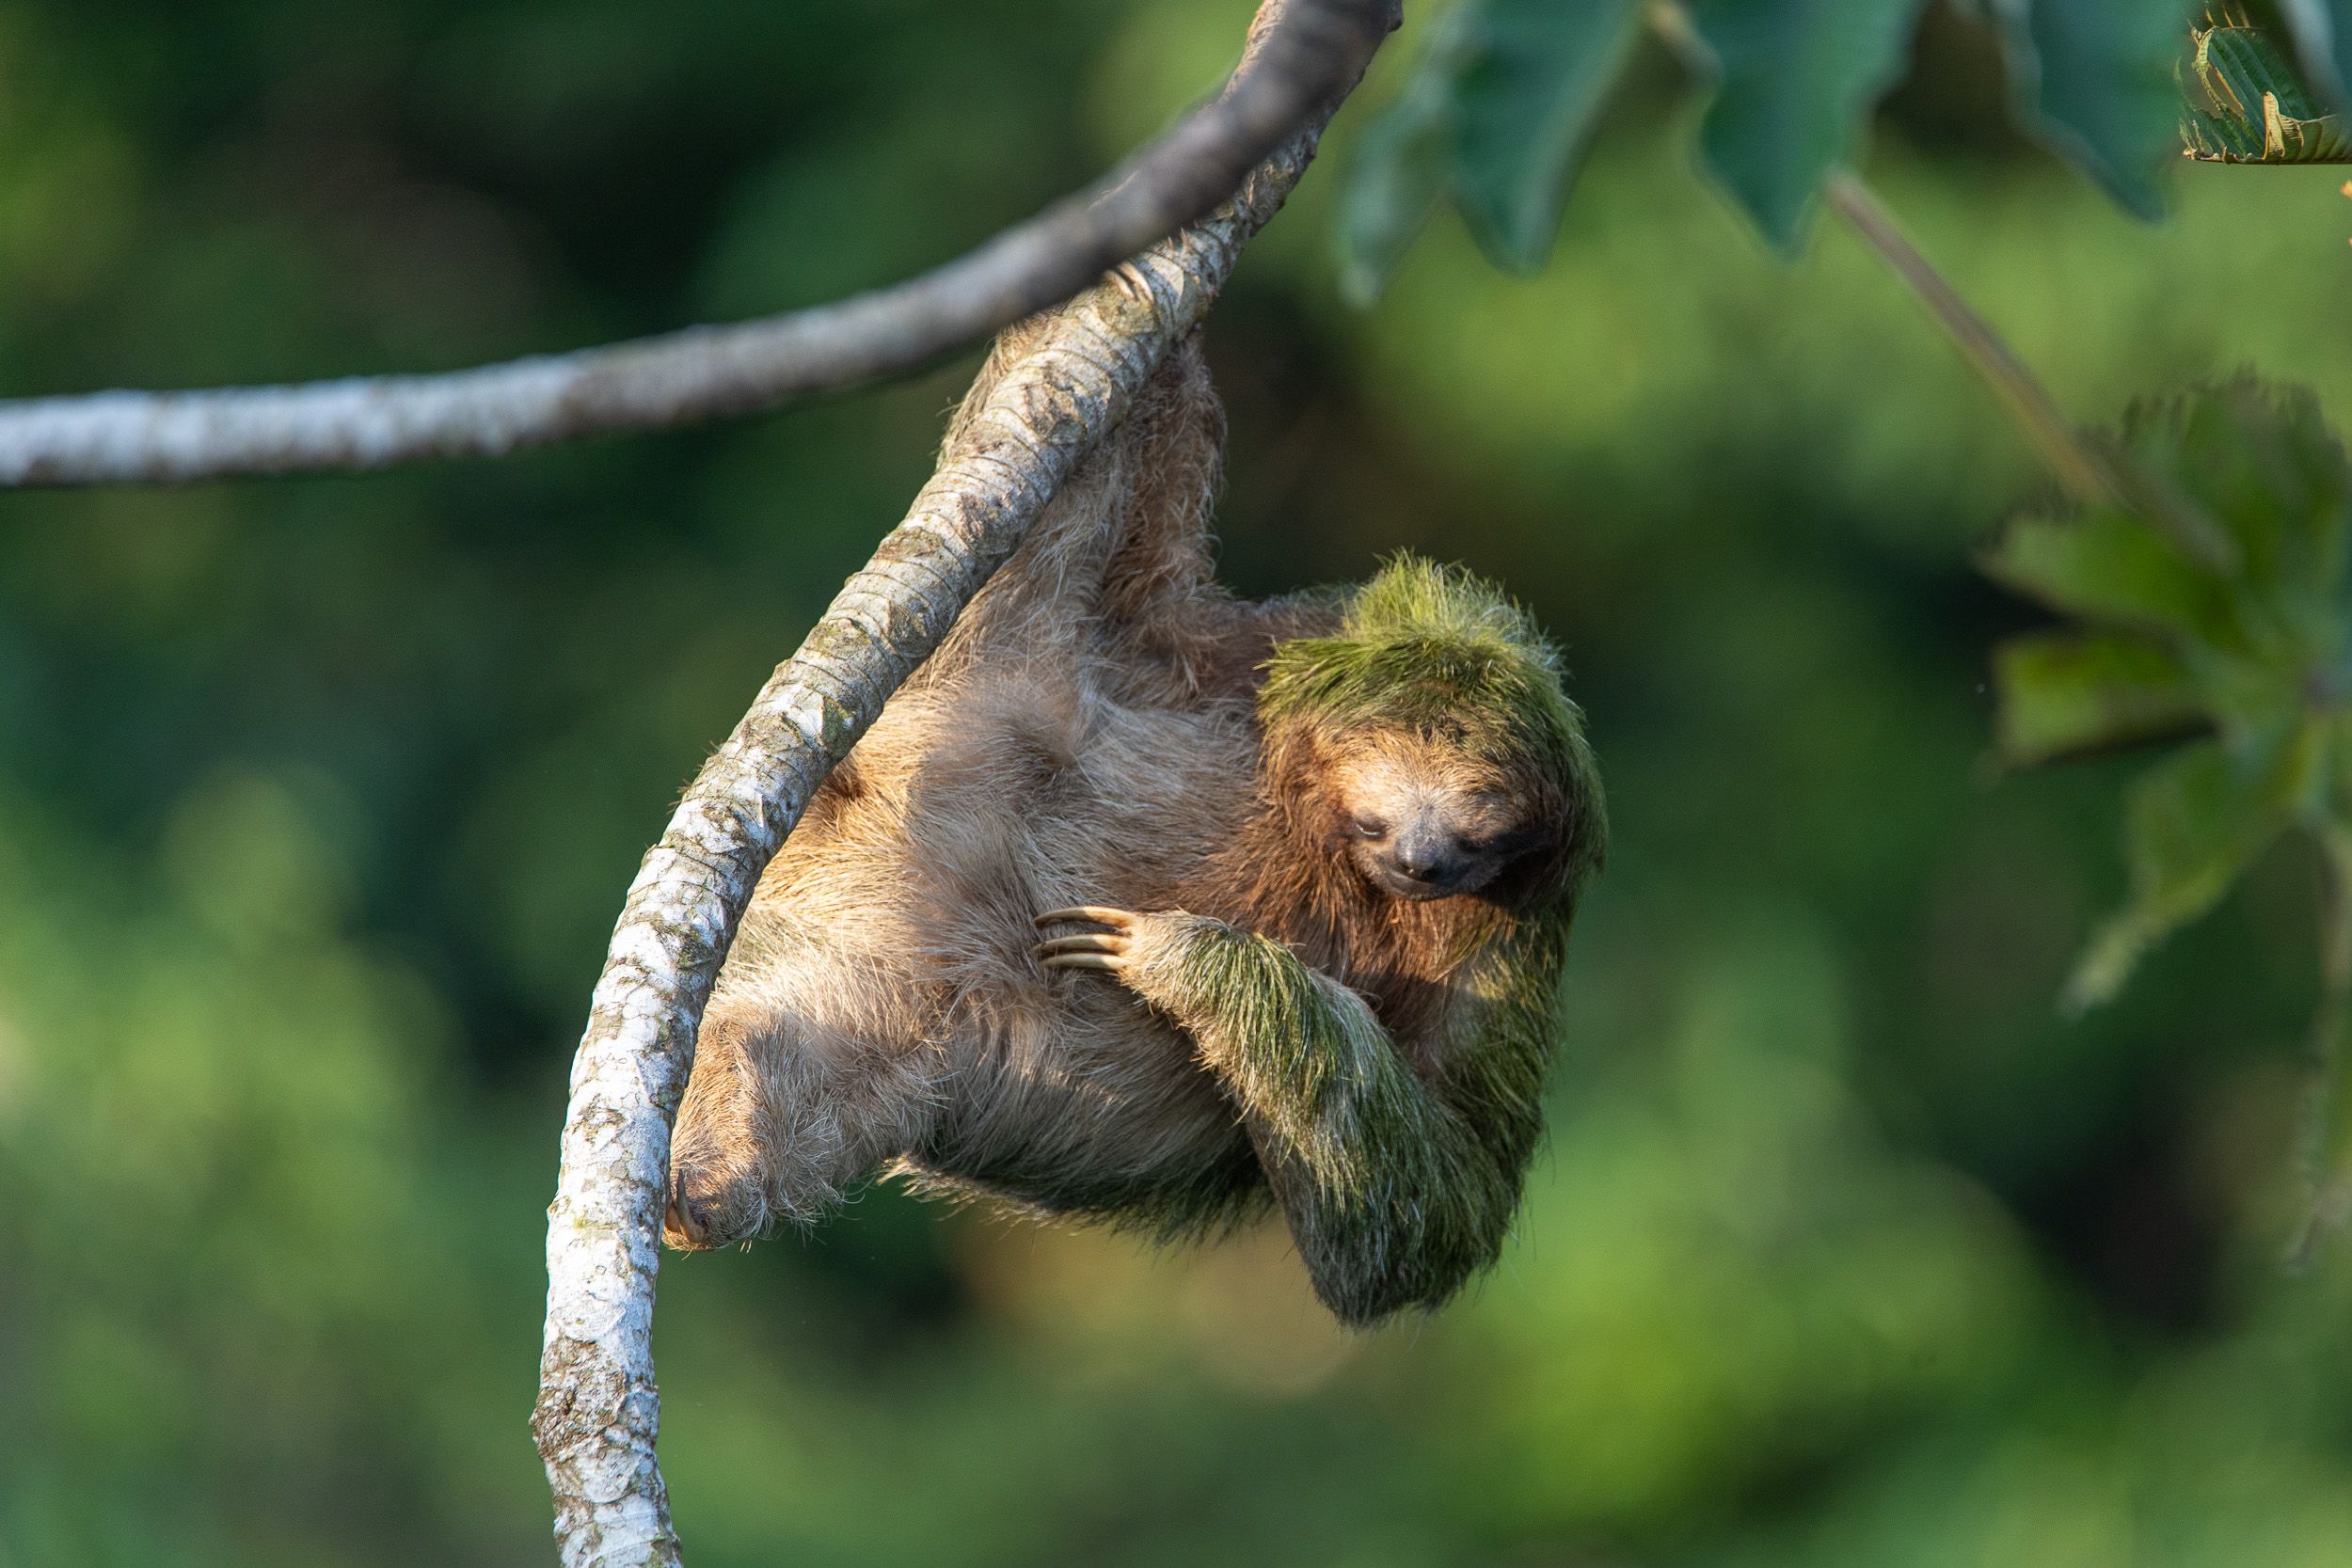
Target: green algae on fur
<point>1437,649</point>
<point>1399,1194</point>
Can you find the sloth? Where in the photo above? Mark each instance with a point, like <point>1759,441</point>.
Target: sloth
<point>1145,904</point>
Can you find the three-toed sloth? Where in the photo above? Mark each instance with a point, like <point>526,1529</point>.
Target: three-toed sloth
<point>1141,902</point>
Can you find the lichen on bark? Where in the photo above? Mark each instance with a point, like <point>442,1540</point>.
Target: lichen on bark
<point>599,1415</point>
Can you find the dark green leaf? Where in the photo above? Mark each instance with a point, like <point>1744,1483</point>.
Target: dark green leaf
<point>1499,110</point>
<point>2255,109</point>
<point>1536,72</point>
<point>2323,39</point>
<point>2194,825</point>
<point>1797,76</point>
<point>2261,462</point>
<point>2253,638</point>
<point>2063,693</point>
<point>2110,567</point>
<point>2094,80</point>
<point>1401,167</point>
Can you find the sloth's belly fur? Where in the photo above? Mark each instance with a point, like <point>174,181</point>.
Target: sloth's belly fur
<point>896,929</point>
<point>1107,1131</point>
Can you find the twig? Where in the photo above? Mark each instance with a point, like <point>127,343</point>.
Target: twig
<point>707,372</point>
<point>2082,471</point>
<point>599,1411</point>
<point>2091,476</point>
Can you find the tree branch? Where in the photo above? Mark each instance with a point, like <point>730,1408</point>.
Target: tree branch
<point>707,372</point>
<point>599,1411</point>
<point>2090,474</point>
<point>2080,467</point>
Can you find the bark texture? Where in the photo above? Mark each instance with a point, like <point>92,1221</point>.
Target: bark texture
<point>598,1414</point>
<point>706,371</point>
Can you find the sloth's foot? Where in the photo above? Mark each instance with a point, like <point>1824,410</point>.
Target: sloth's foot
<point>1111,950</point>
<point>706,1211</point>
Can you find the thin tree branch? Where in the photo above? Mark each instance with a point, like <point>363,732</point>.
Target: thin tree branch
<point>599,1411</point>
<point>2082,471</point>
<point>707,372</point>
<point>2079,467</point>
<point>2091,474</point>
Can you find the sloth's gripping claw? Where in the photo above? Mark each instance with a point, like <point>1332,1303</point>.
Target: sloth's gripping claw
<point>682,1226</point>
<point>1106,950</point>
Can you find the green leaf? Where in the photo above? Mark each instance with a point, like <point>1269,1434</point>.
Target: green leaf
<point>2323,41</point>
<point>2063,693</point>
<point>1538,71</point>
<point>1499,111</point>
<point>2261,624</point>
<point>1401,168</point>
<point>1796,78</point>
<point>2093,80</point>
<point>2255,109</point>
<point>2193,826</point>
<point>2107,567</point>
<point>2261,462</point>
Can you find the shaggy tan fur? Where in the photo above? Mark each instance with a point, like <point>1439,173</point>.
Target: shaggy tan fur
<point>1086,735</point>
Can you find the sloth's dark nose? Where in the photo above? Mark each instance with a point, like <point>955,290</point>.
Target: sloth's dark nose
<point>1423,857</point>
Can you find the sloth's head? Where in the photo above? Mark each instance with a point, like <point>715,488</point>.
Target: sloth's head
<point>1445,758</point>
<point>1421,818</point>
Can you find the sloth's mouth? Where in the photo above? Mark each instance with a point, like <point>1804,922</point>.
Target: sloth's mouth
<point>1390,881</point>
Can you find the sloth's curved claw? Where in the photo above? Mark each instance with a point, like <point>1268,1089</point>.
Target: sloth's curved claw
<point>1085,941</point>
<point>1102,950</point>
<point>1086,950</point>
<point>1098,913</point>
<point>683,1228</point>
<point>1113,963</point>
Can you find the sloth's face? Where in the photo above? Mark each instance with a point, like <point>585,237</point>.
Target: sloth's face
<point>1419,820</point>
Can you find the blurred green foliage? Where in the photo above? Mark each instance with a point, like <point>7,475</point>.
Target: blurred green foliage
<point>2230,625</point>
<point>1507,94</point>
<point>2213,610</point>
<point>317,801</point>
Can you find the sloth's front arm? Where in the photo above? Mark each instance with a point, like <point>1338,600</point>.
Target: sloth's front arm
<point>1397,1189</point>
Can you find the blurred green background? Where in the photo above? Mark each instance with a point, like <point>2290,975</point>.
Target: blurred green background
<point>318,799</point>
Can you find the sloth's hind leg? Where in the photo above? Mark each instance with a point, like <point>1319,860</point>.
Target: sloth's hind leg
<point>777,1120</point>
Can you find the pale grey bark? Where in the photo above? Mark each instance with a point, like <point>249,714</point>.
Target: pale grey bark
<point>599,1411</point>
<point>706,371</point>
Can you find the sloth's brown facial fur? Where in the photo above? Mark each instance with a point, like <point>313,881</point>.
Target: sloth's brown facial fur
<point>1419,818</point>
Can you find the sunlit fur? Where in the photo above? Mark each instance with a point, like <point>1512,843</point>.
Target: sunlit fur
<point>1107,726</point>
